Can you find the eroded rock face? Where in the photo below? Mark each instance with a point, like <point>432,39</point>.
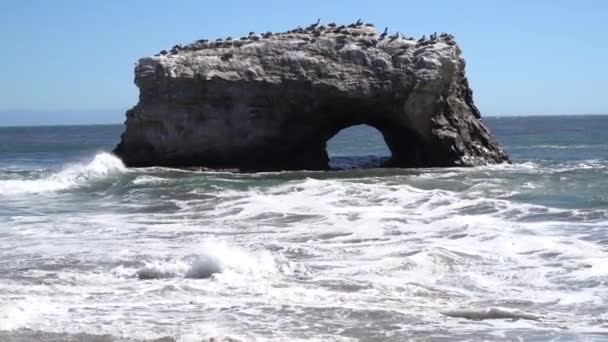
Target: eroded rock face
<point>272,102</point>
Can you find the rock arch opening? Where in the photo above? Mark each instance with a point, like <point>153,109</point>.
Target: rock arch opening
<point>359,146</point>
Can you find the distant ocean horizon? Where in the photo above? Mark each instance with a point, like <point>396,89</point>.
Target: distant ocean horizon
<point>92,250</point>
<point>81,117</point>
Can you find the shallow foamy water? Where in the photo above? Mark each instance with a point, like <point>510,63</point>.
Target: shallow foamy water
<point>501,252</point>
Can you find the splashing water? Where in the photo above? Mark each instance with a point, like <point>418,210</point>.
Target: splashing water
<point>102,165</point>
<point>505,252</point>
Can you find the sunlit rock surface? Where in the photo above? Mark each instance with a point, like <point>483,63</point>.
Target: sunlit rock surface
<point>272,101</point>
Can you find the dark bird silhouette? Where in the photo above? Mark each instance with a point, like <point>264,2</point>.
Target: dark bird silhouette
<point>251,33</point>
<point>312,27</point>
<point>175,49</point>
<point>332,25</point>
<point>229,39</point>
<point>384,34</point>
<point>394,36</point>
<point>359,22</point>
<point>422,40</point>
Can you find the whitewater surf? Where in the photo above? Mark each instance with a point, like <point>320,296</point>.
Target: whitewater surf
<point>492,253</point>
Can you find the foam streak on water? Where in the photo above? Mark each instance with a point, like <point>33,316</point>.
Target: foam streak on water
<point>502,252</point>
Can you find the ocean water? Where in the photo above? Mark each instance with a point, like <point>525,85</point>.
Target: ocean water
<point>93,251</point>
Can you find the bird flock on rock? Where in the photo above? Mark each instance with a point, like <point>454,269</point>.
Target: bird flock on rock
<point>316,29</point>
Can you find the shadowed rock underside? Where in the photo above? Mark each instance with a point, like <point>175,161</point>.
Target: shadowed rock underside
<point>272,102</point>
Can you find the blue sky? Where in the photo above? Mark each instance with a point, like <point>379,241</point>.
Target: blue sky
<point>71,61</point>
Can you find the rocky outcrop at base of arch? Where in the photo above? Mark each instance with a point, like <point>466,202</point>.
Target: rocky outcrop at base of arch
<point>271,102</point>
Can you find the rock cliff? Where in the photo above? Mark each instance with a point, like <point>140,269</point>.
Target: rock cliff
<point>272,101</point>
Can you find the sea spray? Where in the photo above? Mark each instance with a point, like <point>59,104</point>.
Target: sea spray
<point>214,257</point>
<point>102,165</point>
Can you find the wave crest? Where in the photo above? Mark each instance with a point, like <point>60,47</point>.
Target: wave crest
<point>216,258</point>
<point>102,165</point>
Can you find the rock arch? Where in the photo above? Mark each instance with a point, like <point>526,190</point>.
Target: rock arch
<point>359,146</point>
<point>273,103</point>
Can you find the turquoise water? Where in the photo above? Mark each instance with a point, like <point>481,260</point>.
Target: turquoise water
<point>90,246</point>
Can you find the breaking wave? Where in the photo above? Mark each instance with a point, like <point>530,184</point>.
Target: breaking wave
<point>102,165</point>
<point>214,258</point>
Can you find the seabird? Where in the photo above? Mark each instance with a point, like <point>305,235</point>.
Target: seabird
<point>359,22</point>
<point>267,34</point>
<point>394,37</point>
<point>421,40</point>
<point>332,25</point>
<point>219,40</point>
<point>369,25</point>
<point>229,39</point>
<point>384,33</point>
<point>316,24</point>
<point>251,33</point>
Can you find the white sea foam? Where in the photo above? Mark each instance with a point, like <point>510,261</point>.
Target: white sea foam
<point>102,165</point>
<point>148,180</point>
<point>21,312</point>
<point>162,269</point>
<point>214,258</point>
<point>304,256</point>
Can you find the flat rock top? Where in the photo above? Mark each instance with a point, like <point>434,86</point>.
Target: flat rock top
<point>315,53</point>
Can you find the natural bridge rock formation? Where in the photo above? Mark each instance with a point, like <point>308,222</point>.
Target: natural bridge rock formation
<point>272,102</point>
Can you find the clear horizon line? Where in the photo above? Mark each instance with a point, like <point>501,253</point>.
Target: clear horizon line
<point>122,123</point>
